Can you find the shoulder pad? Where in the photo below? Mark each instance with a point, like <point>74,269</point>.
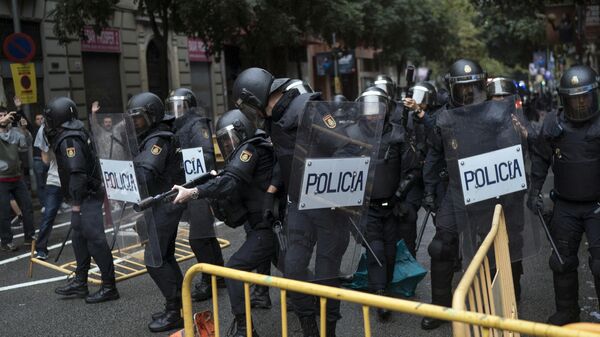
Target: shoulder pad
<point>552,126</point>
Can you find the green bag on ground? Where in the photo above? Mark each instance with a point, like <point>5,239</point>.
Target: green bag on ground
<point>407,273</point>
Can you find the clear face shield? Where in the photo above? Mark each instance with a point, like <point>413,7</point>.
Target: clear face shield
<point>370,110</point>
<point>422,96</point>
<point>501,88</point>
<point>177,106</point>
<point>466,93</point>
<point>141,122</point>
<point>579,107</point>
<point>302,87</point>
<point>228,140</point>
<point>385,86</point>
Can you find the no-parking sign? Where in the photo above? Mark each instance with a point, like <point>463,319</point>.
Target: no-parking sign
<point>24,81</point>
<point>19,47</point>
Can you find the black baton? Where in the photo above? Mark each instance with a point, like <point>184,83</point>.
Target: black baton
<point>547,231</point>
<point>422,231</point>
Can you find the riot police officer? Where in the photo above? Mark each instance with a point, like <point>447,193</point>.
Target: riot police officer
<point>382,230</point>
<point>466,83</point>
<point>80,176</point>
<point>242,193</point>
<point>193,130</point>
<point>158,166</point>
<point>570,141</point>
<point>281,111</point>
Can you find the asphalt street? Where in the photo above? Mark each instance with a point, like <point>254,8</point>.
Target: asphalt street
<point>29,307</point>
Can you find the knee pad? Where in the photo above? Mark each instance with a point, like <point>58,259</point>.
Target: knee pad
<point>444,246</point>
<point>570,263</point>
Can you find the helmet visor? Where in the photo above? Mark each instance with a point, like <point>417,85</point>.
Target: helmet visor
<point>501,88</point>
<point>421,95</point>
<point>579,108</point>
<point>228,140</point>
<point>370,106</point>
<point>177,106</point>
<point>385,86</point>
<point>468,93</point>
<point>141,120</point>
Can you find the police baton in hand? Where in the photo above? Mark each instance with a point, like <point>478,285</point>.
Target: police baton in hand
<point>364,240</point>
<point>169,195</point>
<point>547,231</point>
<point>422,231</point>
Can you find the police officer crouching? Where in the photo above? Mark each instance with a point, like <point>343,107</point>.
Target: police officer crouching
<point>158,166</point>
<point>80,177</point>
<point>193,130</point>
<point>242,194</point>
<point>570,141</point>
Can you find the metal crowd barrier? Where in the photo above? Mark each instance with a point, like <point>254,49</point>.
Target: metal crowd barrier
<point>486,292</point>
<point>498,313</point>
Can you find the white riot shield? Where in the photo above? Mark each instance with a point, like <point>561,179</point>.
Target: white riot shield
<point>486,152</point>
<point>330,185</point>
<point>133,236</point>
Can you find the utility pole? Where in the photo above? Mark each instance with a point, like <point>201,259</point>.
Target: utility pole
<point>336,76</point>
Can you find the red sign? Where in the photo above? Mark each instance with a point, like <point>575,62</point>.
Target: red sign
<point>196,51</point>
<point>19,47</point>
<point>109,40</point>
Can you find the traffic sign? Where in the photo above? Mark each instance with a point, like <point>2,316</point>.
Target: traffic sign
<point>24,81</point>
<point>19,47</point>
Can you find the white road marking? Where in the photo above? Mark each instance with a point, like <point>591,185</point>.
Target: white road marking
<point>33,283</point>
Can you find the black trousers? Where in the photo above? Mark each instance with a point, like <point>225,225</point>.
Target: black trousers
<point>329,233</point>
<point>89,240</point>
<point>168,276</point>
<point>570,221</point>
<point>257,250</point>
<point>382,235</point>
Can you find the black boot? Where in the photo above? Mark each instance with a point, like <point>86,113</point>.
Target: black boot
<point>382,314</point>
<point>107,292</point>
<point>76,286</point>
<point>170,320</point>
<point>203,290</point>
<point>441,290</point>
<point>239,324</point>
<point>566,292</point>
<point>330,329</point>
<point>309,326</point>
<point>260,298</point>
<point>158,314</point>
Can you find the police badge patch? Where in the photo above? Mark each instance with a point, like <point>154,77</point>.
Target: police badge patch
<point>245,156</point>
<point>329,121</point>
<point>71,152</point>
<point>205,133</point>
<point>156,150</point>
<point>454,144</point>
<point>467,69</point>
<point>574,80</point>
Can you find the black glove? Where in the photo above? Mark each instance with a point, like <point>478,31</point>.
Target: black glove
<point>76,220</point>
<point>535,201</point>
<point>268,202</point>
<point>400,209</point>
<point>429,202</point>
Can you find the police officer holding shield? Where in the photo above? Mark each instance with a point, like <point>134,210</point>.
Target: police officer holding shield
<point>466,82</point>
<point>281,109</point>
<point>570,142</point>
<point>158,167</point>
<point>242,193</point>
<point>193,130</point>
<point>80,176</point>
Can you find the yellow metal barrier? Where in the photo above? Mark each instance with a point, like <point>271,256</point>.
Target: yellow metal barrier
<point>480,291</point>
<point>363,299</point>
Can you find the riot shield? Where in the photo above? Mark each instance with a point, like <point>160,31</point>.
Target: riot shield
<point>133,237</point>
<point>195,139</point>
<point>330,183</point>
<point>486,153</point>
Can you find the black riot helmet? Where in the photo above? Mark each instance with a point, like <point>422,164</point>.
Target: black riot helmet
<point>578,91</point>
<point>501,86</point>
<point>233,128</point>
<point>59,110</point>
<point>251,91</point>
<point>425,93</point>
<point>386,83</point>
<point>466,83</point>
<point>146,110</point>
<point>180,102</point>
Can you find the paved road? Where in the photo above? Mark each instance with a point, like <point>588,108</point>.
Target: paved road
<point>35,310</point>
